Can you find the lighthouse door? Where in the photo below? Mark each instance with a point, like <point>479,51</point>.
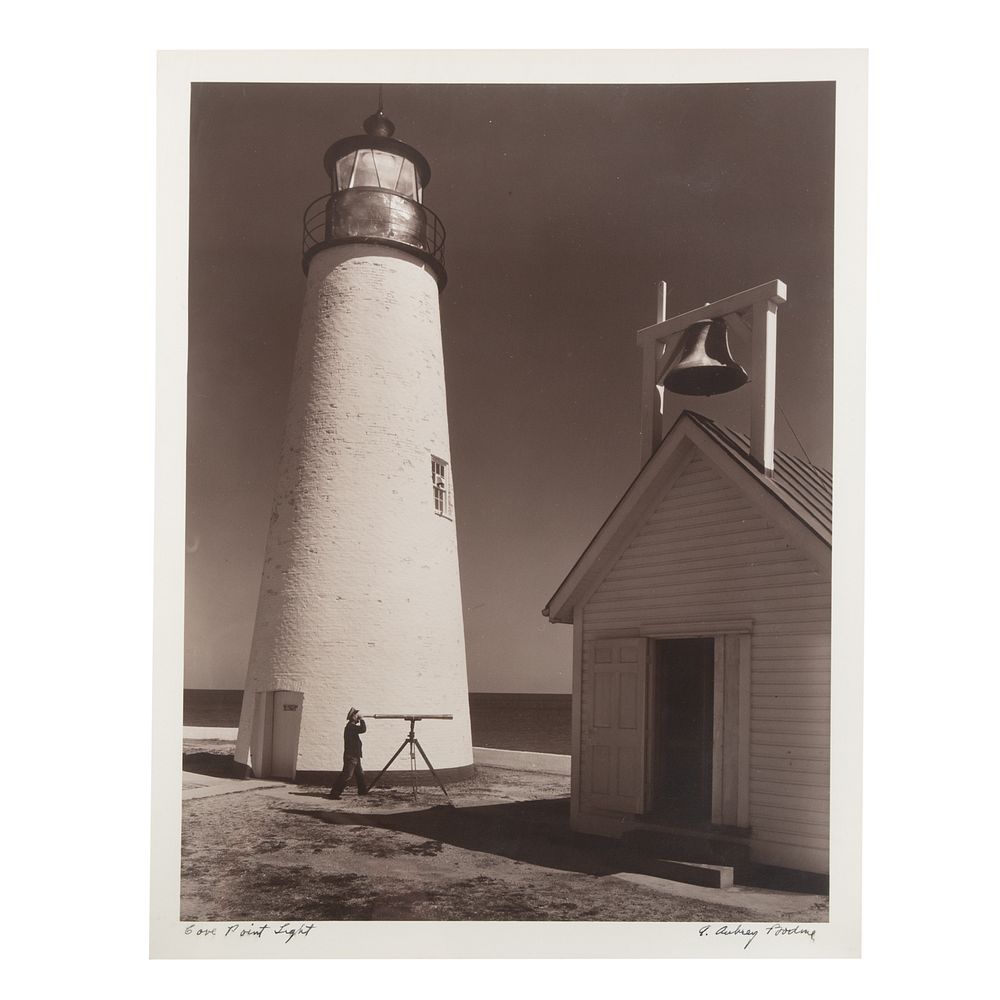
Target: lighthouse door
<point>286,716</point>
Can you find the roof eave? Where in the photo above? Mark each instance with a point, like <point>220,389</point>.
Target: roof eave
<point>560,607</point>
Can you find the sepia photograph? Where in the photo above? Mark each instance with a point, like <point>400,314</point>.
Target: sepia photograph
<point>490,483</point>
<point>520,573</point>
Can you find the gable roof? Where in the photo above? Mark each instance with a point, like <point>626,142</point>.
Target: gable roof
<point>805,491</point>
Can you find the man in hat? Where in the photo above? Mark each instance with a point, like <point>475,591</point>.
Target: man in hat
<point>352,756</point>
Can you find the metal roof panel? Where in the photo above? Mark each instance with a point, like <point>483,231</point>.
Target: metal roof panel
<point>806,490</point>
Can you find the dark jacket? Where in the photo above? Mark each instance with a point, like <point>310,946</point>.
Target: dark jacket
<point>352,738</point>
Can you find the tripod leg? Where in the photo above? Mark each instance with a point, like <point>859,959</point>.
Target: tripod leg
<point>413,766</point>
<point>387,766</point>
<point>431,766</point>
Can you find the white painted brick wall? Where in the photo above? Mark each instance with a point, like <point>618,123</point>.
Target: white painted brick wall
<point>360,601</point>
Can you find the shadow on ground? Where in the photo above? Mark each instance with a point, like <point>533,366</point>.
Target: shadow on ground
<point>218,765</point>
<point>535,832</point>
<point>531,831</point>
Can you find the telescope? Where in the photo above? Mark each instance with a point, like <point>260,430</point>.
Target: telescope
<point>411,741</point>
<point>411,718</point>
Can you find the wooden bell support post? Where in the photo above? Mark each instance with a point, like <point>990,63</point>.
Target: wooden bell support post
<point>753,315</point>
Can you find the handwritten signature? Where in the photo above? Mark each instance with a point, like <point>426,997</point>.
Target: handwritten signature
<point>750,933</point>
<point>259,931</point>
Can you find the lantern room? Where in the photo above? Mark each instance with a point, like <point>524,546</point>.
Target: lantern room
<point>376,160</point>
<point>376,196</point>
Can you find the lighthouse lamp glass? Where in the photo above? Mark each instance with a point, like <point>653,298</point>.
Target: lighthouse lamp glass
<point>376,168</point>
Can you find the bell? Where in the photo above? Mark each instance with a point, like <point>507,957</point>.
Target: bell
<point>704,366</point>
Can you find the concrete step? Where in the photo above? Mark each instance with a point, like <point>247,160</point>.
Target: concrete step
<point>690,872</point>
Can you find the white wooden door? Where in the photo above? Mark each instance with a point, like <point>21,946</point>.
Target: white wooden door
<point>287,720</point>
<point>614,724</point>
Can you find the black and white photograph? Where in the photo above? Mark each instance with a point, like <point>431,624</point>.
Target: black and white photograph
<point>521,574</point>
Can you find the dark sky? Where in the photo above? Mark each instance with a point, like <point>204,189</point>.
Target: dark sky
<point>564,206</point>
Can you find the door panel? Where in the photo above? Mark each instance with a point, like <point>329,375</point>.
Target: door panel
<point>600,771</point>
<point>629,773</point>
<point>613,754</point>
<point>287,716</point>
<point>603,698</point>
<point>629,708</point>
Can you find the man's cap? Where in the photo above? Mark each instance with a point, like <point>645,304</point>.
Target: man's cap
<point>353,712</point>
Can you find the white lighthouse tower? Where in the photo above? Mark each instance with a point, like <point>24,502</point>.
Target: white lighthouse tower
<point>359,601</point>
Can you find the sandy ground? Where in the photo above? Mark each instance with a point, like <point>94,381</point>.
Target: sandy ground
<point>504,851</point>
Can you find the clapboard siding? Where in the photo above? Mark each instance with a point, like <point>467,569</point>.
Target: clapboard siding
<point>800,609</point>
<point>797,702</point>
<point>705,552</point>
<point>702,562</point>
<point>712,530</point>
<point>804,742</point>
<point>763,598</point>
<point>821,780</point>
<point>795,838</point>
<point>761,749</point>
<point>792,686</point>
<point>787,578</point>
<point>819,643</point>
<point>791,714</point>
<point>765,546</point>
<point>780,786</point>
<point>791,627</point>
<point>769,729</point>
<point>697,509</point>
<point>777,567</point>
<point>791,760</point>
<point>785,826</point>
<point>763,811</point>
<point>820,806</point>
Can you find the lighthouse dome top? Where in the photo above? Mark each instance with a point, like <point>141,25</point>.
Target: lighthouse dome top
<point>377,160</point>
<point>379,124</point>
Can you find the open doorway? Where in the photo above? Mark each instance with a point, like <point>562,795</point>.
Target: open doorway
<point>683,707</point>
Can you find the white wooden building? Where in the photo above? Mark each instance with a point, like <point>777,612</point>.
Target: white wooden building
<point>701,652</point>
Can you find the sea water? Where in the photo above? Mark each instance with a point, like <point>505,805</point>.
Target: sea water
<point>538,722</point>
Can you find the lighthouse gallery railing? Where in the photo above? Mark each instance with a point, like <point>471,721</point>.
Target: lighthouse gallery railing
<point>371,215</point>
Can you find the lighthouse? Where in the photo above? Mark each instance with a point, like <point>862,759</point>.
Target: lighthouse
<point>360,603</point>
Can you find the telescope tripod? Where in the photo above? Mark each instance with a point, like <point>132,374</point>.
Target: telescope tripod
<point>412,741</point>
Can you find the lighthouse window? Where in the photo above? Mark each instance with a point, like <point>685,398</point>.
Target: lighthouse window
<point>364,170</point>
<point>387,167</point>
<point>345,166</point>
<point>442,487</point>
<point>377,168</point>
<point>406,184</point>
